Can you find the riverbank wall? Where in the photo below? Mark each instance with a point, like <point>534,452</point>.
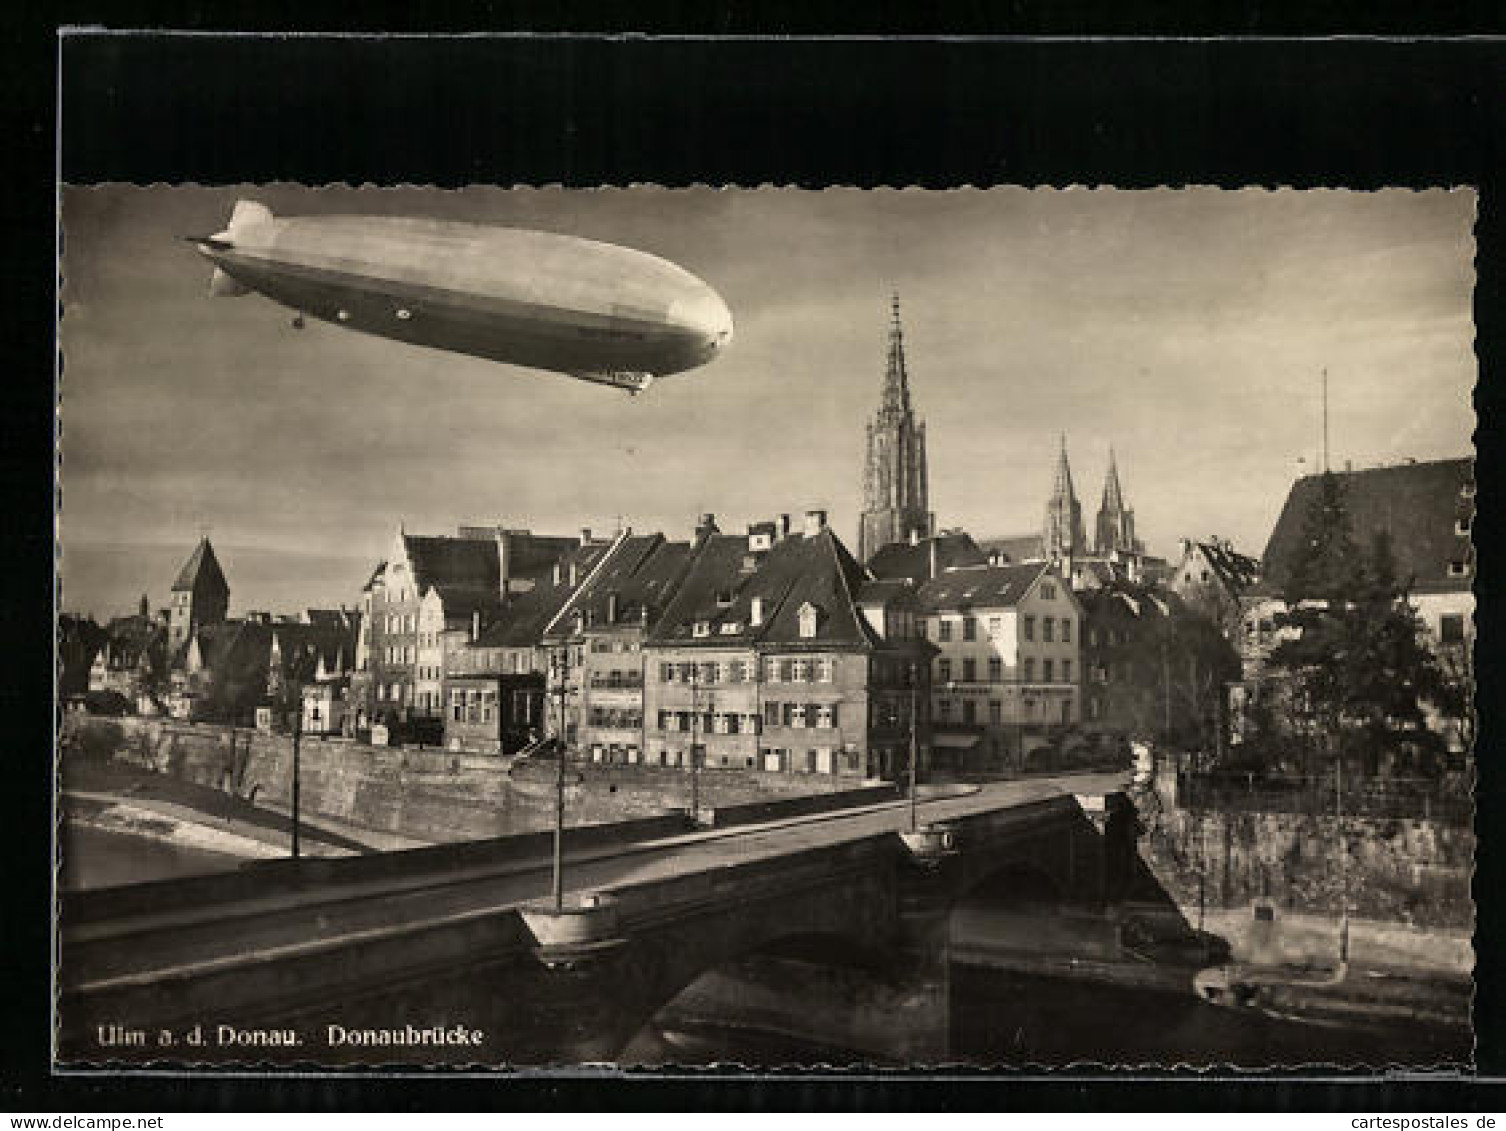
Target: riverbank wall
<point>428,794</point>
<point>1276,885</point>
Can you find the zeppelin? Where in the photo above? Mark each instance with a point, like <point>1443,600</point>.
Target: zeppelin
<point>594,311</point>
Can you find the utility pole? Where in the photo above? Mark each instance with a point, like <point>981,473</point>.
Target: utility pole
<point>1338,811</point>
<point>914,745</point>
<point>695,718</point>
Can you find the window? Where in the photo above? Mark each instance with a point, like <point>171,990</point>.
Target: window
<point>995,627</point>
<point>1092,638</point>
<point>771,714</point>
<point>943,629</point>
<point>1047,671</point>
<point>1462,526</point>
<point>701,628</point>
<point>1029,668</point>
<point>995,670</point>
<point>1066,631</point>
<point>1048,629</point>
<point>664,719</point>
<point>800,671</point>
<point>1451,629</point>
<point>969,628</point>
<point>1458,569</point>
<point>823,717</point>
<point>970,670</point>
<point>1066,671</point>
<point>944,709</point>
<point>797,714</point>
<point>1029,628</point>
<point>969,712</point>
<point>771,672</point>
<point>1048,591</point>
<point>826,670</point>
<point>944,670</point>
<point>995,712</point>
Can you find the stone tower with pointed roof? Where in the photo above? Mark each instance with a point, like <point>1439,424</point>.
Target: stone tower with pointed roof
<point>1115,529</point>
<point>201,596</point>
<point>1063,535</point>
<point>895,506</point>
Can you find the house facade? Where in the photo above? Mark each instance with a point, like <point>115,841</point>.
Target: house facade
<point>1005,680</point>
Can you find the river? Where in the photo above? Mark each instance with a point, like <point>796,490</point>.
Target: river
<point>96,858</point>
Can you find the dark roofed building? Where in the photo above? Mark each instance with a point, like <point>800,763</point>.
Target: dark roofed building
<point>766,659</point>
<point>1427,509</point>
<point>921,559</point>
<point>1014,548</point>
<point>200,596</point>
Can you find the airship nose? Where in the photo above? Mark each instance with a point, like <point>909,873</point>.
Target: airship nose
<point>706,315</point>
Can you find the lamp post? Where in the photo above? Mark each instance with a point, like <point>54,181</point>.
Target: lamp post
<point>562,690</point>
<point>695,761</point>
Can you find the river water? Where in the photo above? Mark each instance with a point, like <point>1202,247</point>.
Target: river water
<point>96,858</point>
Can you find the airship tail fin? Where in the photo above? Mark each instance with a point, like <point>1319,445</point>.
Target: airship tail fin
<point>248,214</point>
<point>222,285</point>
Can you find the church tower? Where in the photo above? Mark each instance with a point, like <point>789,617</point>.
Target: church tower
<point>894,477</point>
<point>200,595</point>
<point>1063,536</point>
<point>1115,530</point>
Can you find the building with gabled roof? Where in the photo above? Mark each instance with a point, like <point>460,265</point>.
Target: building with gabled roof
<point>1006,679</point>
<point>434,591</point>
<point>921,559</point>
<point>200,596</point>
<point>766,659</point>
<point>494,673</point>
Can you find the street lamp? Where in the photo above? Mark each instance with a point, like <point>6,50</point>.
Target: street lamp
<point>562,690</point>
<point>695,761</point>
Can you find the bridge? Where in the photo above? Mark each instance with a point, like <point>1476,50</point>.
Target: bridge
<point>454,955</point>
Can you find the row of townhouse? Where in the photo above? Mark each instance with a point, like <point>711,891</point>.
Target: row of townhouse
<point>771,650</point>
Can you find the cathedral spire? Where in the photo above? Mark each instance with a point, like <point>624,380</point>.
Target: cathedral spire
<point>895,505</point>
<point>1063,534</point>
<point>1113,495</point>
<point>896,380</point>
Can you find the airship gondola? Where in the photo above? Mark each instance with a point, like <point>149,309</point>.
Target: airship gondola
<point>595,311</point>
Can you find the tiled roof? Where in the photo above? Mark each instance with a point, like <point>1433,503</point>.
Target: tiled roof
<point>522,619</point>
<point>1015,547</point>
<point>201,562</point>
<point>641,573</point>
<point>446,563</point>
<point>980,586</point>
<point>1237,571</point>
<point>903,560</point>
<point>719,590</point>
<point>1417,504</point>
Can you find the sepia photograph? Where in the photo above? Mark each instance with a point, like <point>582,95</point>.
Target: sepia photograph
<point>521,628</point>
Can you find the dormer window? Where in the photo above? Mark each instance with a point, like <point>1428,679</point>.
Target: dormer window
<point>809,618</point>
<point>701,628</point>
<point>1462,526</point>
<point>724,598</point>
<point>1458,569</point>
<point>1467,490</point>
<point>731,628</point>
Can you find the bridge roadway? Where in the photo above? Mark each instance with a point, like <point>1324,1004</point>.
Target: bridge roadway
<point>213,938</point>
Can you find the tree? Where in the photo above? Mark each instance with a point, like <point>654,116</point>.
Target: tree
<point>1354,664</point>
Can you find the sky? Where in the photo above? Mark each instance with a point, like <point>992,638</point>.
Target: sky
<point>1186,328</point>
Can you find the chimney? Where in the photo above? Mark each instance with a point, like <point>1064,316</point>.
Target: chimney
<point>504,561</point>
<point>706,525</point>
<point>475,625</point>
<point>585,535</point>
<point>815,522</point>
<point>931,559</point>
<point>558,572</point>
<point>612,608</point>
<point>784,527</point>
<point>755,612</point>
<point>572,575</point>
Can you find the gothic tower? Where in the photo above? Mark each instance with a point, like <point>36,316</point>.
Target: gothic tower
<point>1063,536</point>
<point>200,595</point>
<point>1116,522</point>
<point>894,477</point>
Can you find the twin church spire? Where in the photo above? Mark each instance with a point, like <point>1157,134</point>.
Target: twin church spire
<point>1064,535</point>
<point>896,505</point>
